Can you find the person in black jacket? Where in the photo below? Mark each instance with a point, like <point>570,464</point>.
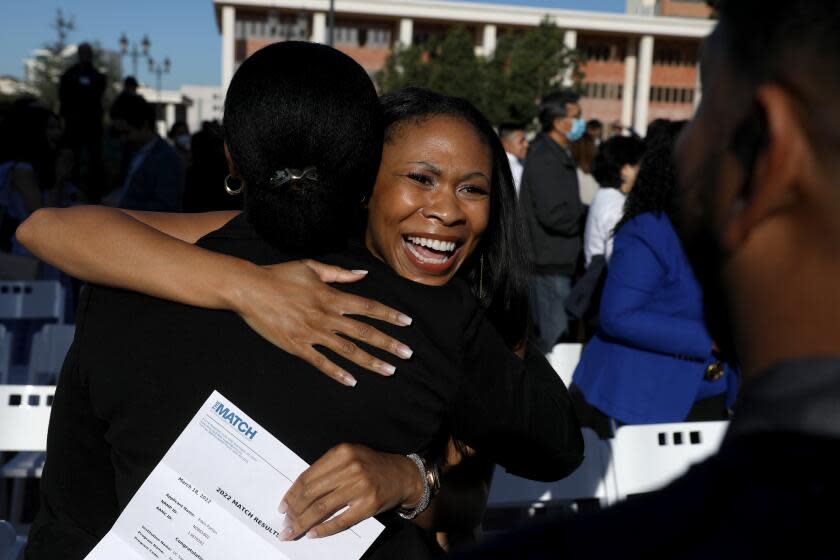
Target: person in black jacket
<point>140,366</point>
<point>760,183</point>
<point>80,96</point>
<point>553,213</point>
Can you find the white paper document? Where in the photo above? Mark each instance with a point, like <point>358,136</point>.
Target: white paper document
<point>214,496</point>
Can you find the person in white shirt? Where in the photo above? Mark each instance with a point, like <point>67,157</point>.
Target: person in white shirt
<point>615,168</point>
<point>584,152</point>
<point>516,146</point>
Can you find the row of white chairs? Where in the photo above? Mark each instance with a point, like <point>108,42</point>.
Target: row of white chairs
<point>41,300</point>
<point>37,299</point>
<point>638,459</point>
<point>24,419</point>
<point>46,353</point>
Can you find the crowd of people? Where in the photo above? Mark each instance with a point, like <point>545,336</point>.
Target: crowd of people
<point>59,159</point>
<point>407,267</point>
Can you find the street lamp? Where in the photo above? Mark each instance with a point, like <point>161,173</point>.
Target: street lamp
<point>159,70</point>
<point>134,52</point>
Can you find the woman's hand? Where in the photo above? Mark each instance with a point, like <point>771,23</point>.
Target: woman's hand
<point>367,482</point>
<point>291,306</point>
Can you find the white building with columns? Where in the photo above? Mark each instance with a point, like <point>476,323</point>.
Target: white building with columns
<point>638,67</point>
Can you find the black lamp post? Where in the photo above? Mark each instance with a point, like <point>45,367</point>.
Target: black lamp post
<point>134,52</point>
<point>159,70</point>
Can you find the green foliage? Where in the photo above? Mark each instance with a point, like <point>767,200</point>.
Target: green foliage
<point>506,87</point>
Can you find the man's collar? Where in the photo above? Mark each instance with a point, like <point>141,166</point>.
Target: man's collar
<point>799,395</point>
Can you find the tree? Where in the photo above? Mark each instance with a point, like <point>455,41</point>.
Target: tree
<point>527,68</point>
<point>506,87</point>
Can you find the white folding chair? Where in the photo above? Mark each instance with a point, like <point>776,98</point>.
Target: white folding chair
<point>647,457</point>
<point>591,480</point>
<point>49,347</point>
<point>40,299</point>
<point>24,420</point>
<point>6,339</point>
<point>564,359</point>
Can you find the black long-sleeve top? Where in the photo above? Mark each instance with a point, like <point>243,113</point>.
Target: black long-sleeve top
<point>140,367</point>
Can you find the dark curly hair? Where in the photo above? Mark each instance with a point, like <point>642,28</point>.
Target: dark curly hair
<point>612,156</point>
<point>656,185</point>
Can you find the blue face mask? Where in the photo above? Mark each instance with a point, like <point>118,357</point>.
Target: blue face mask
<point>577,130</point>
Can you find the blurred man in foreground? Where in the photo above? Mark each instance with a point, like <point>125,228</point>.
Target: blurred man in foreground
<point>760,218</point>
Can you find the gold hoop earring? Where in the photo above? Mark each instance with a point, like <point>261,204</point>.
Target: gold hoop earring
<point>230,191</point>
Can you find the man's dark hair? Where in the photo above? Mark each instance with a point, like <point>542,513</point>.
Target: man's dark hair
<point>504,287</point>
<point>295,105</point>
<point>508,128</point>
<point>555,105</point>
<point>794,44</point>
<point>613,155</point>
<point>134,110</point>
<point>594,123</point>
<point>130,82</point>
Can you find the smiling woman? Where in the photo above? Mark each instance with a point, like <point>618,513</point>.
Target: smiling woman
<point>444,205</point>
<point>427,217</point>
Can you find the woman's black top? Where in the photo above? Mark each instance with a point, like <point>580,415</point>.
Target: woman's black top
<point>140,367</point>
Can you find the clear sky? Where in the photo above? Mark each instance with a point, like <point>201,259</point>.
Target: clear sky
<point>184,30</point>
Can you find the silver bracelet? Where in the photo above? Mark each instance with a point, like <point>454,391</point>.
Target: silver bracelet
<point>427,491</point>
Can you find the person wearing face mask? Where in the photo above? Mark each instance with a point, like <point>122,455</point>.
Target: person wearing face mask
<point>553,212</point>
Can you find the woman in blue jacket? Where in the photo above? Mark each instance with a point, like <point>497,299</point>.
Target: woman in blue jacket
<point>652,360</point>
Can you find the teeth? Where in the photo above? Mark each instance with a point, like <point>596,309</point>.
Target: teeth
<point>435,244</point>
<point>425,259</point>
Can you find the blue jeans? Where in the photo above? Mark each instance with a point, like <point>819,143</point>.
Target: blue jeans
<point>549,293</point>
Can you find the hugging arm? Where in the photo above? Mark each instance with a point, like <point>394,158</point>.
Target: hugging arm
<point>516,412</point>
<point>287,304</point>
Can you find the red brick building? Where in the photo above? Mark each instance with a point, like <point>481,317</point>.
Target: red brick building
<point>638,67</point>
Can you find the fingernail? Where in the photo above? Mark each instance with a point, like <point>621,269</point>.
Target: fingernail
<point>283,508</point>
<point>359,272</point>
<point>404,351</point>
<point>312,534</point>
<point>404,320</point>
<point>286,534</point>
<point>384,368</point>
<point>348,380</point>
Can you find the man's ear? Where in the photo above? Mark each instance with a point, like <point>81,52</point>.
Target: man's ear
<point>230,164</point>
<point>770,147</point>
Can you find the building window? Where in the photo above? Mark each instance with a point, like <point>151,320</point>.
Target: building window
<point>603,91</point>
<point>672,96</point>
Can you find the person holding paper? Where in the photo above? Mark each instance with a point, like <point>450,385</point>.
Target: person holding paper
<point>141,366</point>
